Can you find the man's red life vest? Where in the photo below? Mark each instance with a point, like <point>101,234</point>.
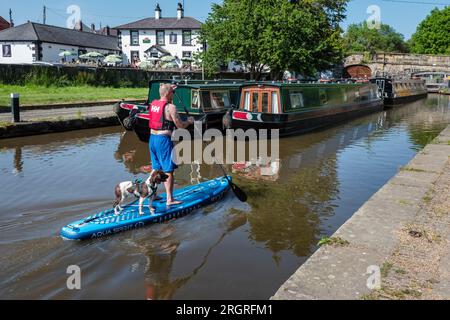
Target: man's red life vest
<point>157,117</point>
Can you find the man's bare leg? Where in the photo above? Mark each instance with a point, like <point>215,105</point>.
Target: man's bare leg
<point>169,184</point>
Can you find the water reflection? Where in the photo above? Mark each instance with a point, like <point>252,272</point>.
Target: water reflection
<point>18,161</point>
<point>160,255</point>
<point>132,153</point>
<point>227,250</point>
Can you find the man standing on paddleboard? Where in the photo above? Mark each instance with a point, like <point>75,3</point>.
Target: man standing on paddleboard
<point>164,119</point>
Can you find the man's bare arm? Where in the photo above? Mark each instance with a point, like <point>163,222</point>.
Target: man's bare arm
<point>177,119</point>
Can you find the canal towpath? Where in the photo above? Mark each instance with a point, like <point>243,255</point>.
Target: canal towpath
<point>396,246</point>
<point>58,119</point>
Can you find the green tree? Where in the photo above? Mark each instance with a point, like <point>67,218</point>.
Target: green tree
<point>433,34</point>
<point>360,38</point>
<point>302,36</point>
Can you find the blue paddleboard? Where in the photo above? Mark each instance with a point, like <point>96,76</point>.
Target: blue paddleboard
<point>106,223</point>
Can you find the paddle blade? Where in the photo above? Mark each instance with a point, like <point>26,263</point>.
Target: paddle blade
<point>238,192</point>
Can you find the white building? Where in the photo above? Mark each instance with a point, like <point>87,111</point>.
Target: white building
<point>152,38</point>
<point>33,42</point>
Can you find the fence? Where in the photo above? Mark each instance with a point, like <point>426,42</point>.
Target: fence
<point>17,74</point>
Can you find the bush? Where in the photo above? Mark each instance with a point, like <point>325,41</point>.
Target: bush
<point>84,79</point>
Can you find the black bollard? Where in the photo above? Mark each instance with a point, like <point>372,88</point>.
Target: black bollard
<point>15,107</point>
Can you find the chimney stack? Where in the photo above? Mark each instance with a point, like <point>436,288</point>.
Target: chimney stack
<point>79,25</point>
<point>93,27</point>
<point>158,12</point>
<point>108,31</point>
<point>180,11</point>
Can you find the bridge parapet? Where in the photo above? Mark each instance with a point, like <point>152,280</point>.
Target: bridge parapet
<point>399,63</point>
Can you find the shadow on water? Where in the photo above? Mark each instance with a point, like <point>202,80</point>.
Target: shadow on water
<point>227,250</point>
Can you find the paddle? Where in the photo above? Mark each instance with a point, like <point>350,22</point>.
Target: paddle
<point>238,192</point>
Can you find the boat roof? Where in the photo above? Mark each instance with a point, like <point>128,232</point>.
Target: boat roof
<point>203,84</point>
<point>280,84</point>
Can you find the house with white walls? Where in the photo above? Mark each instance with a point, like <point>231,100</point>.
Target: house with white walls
<point>158,36</point>
<point>33,42</point>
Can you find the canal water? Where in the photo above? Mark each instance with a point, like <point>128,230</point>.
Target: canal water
<point>228,250</point>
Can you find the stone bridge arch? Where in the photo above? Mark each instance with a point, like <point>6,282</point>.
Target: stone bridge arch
<point>357,71</point>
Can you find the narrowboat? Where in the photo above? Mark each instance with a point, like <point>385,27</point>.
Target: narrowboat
<point>206,102</point>
<point>434,81</point>
<point>296,108</point>
<point>125,111</point>
<point>398,91</point>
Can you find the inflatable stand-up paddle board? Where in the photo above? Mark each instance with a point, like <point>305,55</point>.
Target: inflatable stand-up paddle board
<point>107,223</point>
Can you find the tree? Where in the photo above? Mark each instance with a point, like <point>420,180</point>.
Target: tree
<point>360,38</point>
<point>433,34</point>
<point>302,36</point>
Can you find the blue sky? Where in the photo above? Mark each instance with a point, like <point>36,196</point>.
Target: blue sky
<point>403,16</point>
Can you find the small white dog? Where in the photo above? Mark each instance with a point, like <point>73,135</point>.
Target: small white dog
<point>139,189</point>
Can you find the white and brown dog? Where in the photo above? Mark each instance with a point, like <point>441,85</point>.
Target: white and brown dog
<point>139,189</point>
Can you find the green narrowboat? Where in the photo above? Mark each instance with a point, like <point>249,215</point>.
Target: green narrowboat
<point>206,101</point>
<point>126,111</point>
<point>297,107</point>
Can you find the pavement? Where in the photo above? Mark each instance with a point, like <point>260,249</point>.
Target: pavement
<point>43,121</point>
<point>396,246</point>
<point>61,113</point>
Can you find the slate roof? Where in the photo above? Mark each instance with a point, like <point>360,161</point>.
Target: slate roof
<point>32,31</point>
<point>3,23</point>
<point>163,23</point>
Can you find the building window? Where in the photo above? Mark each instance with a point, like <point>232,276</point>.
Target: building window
<point>173,38</point>
<point>6,51</point>
<point>119,38</point>
<point>187,54</point>
<point>160,35</point>
<point>187,38</point>
<point>134,57</point>
<point>134,37</point>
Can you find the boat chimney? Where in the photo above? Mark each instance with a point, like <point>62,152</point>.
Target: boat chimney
<point>157,12</point>
<point>93,27</point>
<point>180,11</point>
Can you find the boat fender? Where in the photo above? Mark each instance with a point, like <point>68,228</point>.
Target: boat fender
<point>130,121</point>
<point>226,120</point>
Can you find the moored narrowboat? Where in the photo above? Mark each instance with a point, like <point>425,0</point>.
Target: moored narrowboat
<point>398,91</point>
<point>434,81</point>
<point>125,112</point>
<point>205,101</point>
<point>296,108</point>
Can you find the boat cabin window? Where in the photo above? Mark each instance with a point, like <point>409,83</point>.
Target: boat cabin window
<point>255,98</point>
<point>275,105</point>
<point>195,99</point>
<point>265,102</point>
<point>344,95</point>
<point>206,100</point>
<point>247,101</point>
<point>261,100</point>
<point>323,97</point>
<point>215,100</point>
<point>220,100</point>
<point>297,101</point>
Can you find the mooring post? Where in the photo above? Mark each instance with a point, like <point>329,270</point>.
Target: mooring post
<point>15,107</point>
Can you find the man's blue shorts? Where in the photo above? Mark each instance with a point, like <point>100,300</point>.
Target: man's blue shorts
<point>161,147</point>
